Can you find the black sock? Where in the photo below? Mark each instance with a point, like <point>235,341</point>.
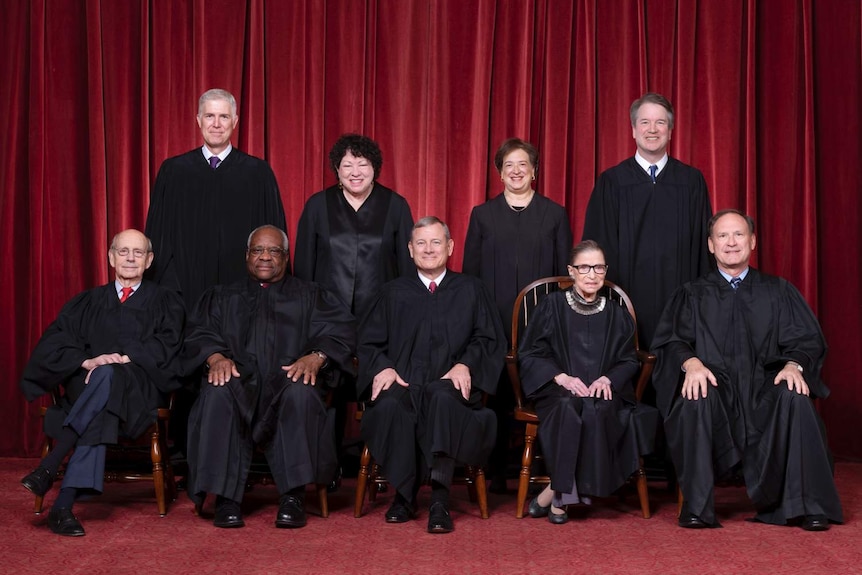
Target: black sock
<point>65,498</point>
<point>439,493</point>
<point>62,446</point>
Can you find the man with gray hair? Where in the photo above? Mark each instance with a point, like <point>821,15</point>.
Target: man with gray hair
<point>268,345</point>
<point>114,350</point>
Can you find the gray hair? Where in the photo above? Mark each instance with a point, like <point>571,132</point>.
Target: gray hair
<point>118,234</point>
<point>284,243</point>
<point>430,221</point>
<point>652,98</point>
<point>748,219</point>
<point>217,94</point>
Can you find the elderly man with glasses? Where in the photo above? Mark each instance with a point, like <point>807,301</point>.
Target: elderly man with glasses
<point>114,350</point>
<point>269,344</point>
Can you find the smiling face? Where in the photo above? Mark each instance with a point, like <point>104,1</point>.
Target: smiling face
<point>731,242</point>
<point>270,264</point>
<point>430,250</point>
<point>130,256</point>
<point>217,122</point>
<point>356,175</point>
<point>517,172</point>
<point>651,131</point>
<point>588,284</point>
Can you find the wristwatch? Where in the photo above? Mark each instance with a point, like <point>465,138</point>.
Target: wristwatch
<point>321,355</point>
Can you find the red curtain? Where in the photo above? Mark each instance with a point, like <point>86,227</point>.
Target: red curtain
<point>98,94</point>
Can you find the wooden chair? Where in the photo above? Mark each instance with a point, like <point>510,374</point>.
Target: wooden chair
<point>128,461</point>
<point>473,478</point>
<point>526,302</point>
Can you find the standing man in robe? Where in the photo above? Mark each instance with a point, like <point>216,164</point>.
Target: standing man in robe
<point>649,215</point>
<point>739,361</point>
<point>430,347</point>
<point>115,351</point>
<point>269,344</point>
<point>202,207</point>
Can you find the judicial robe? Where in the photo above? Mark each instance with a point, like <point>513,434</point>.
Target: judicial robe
<point>261,330</point>
<point>422,336</point>
<point>653,235</point>
<point>354,252</point>
<point>508,249</point>
<point>591,445</point>
<point>199,219</point>
<point>148,328</point>
<point>745,337</point>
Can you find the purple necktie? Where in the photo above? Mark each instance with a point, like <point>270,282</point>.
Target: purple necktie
<point>432,287</point>
<point>214,162</point>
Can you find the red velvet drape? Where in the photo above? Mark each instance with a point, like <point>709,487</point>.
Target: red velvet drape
<point>97,94</point>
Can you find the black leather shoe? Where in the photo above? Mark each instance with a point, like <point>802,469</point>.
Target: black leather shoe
<point>335,484</point>
<point>290,513</point>
<point>439,520</point>
<point>536,510</point>
<point>63,522</point>
<point>691,521</point>
<point>227,514</point>
<point>815,523</point>
<point>400,512</point>
<point>558,518</point>
<point>38,482</point>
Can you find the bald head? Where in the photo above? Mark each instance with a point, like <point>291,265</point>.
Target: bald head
<point>130,254</point>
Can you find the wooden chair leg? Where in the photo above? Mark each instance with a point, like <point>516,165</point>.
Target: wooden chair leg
<point>478,483</point>
<point>158,471</point>
<point>376,487</point>
<point>643,493</point>
<point>323,500</point>
<point>361,481</point>
<point>526,462</point>
<point>46,449</point>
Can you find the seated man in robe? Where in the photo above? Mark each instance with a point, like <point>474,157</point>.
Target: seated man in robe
<point>269,344</point>
<point>429,348</point>
<point>115,351</point>
<point>739,361</point>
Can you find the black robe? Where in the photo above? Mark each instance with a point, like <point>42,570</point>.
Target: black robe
<point>353,253</point>
<point>422,336</point>
<point>589,444</point>
<point>261,330</point>
<point>653,235</point>
<point>148,328</point>
<point>508,249</point>
<point>199,219</point>
<point>745,337</point>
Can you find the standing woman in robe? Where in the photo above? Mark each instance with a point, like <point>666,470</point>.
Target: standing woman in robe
<point>578,362</point>
<point>352,238</point>
<point>513,239</point>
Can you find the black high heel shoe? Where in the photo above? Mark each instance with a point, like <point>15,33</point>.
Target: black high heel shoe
<point>535,510</point>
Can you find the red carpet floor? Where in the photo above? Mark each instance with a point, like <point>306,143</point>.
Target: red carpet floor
<point>126,535</point>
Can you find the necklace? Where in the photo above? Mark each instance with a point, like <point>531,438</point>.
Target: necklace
<point>512,197</point>
<point>582,306</point>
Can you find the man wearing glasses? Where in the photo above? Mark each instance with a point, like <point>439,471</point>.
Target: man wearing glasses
<point>115,351</point>
<point>268,344</point>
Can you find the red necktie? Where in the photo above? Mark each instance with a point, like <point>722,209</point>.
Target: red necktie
<point>127,291</point>
<point>432,287</point>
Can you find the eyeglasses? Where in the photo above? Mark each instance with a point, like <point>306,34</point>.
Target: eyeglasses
<point>123,252</point>
<point>584,269</point>
<point>257,251</point>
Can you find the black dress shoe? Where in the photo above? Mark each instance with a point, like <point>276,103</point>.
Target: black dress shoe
<point>335,484</point>
<point>536,510</point>
<point>691,521</point>
<point>439,520</point>
<point>227,514</point>
<point>815,523</point>
<point>400,512</point>
<point>38,482</point>
<point>558,518</point>
<point>63,522</point>
<point>290,513</point>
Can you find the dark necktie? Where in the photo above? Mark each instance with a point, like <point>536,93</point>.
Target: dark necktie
<point>127,291</point>
<point>734,283</point>
<point>214,162</point>
<point>652,170</point>
<point>432,287</point>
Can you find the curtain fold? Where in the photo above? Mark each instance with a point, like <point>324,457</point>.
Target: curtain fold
<point>97,94</point>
